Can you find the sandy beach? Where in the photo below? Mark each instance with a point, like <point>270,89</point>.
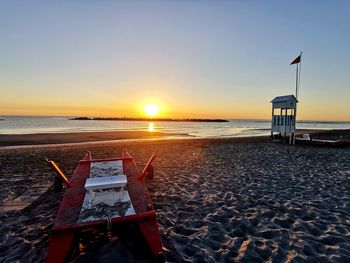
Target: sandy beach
<point>217,200</point>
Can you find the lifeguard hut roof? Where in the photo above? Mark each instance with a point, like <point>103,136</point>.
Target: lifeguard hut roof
<point>284,99</point>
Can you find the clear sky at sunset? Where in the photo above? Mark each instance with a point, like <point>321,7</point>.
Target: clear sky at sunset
<point>220,59</point>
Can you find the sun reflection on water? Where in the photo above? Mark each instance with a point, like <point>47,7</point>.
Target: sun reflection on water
<point>150,126</point>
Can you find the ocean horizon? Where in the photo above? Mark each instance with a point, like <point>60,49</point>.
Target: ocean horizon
<point>232,128</point>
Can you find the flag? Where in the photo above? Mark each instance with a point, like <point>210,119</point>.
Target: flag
<point>297,60</point>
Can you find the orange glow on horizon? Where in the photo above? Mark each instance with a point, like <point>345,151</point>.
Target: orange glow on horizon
<point>167,108</point>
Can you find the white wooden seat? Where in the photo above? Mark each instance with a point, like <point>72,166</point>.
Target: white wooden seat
<point>108,182</point>
<point>97,183</point>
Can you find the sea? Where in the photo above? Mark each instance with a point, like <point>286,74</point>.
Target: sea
<point>233,128</point>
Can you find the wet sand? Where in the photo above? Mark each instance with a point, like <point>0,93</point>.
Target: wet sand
<point>59,138</point>
<point>218,200</point>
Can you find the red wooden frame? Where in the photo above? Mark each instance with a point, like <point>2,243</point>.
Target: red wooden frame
<point>66,225</point>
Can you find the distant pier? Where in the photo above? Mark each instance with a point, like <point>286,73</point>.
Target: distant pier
<point>148,119</point>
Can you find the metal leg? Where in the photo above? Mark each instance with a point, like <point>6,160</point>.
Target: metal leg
<point>293,138</point>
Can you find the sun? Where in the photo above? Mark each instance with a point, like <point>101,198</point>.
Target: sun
<point>151,110</point>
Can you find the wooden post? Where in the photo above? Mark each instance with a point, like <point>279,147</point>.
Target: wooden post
<point>285,123</point>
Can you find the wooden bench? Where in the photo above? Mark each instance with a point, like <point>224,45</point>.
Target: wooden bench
<point>108,182</point>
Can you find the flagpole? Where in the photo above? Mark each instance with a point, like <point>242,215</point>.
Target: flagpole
<point>299,72</point>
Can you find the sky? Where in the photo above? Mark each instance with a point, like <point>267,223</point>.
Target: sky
<point>198,59</point>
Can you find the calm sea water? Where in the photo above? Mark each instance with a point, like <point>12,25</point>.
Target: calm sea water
<point>234,128</point>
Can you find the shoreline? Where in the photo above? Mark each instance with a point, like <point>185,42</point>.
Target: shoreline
<point>17,141</point>
<point>136,141</point>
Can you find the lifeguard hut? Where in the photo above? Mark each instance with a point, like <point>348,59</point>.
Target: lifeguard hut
<point>284,110</point>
